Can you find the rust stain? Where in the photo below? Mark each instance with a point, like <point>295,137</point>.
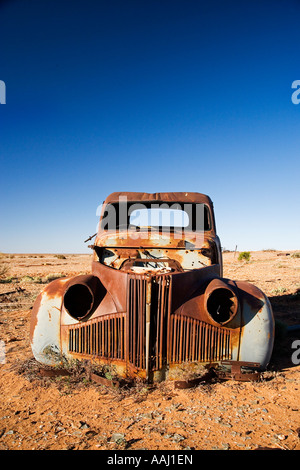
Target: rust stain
<point>34,316</point>
<point>56,288</point>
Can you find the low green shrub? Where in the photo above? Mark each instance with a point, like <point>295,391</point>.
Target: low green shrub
<point>244,255</point>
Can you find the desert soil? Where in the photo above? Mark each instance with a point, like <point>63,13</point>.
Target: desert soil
<point>75,413</point>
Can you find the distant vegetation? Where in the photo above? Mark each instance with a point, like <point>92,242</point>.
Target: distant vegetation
<point>4,279</point>
<point>244,255</point>
<point>3,271</point>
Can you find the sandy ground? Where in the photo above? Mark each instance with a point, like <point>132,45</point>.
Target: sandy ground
<point>74,413</point>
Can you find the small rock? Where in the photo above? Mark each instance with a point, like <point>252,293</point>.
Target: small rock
<point>177,438</point>
<point>83,425</point>
<point>217,419</point>
<point>118,438</point>
<point>178,424</point>
<point>146,415</point>
<point>59,429</point>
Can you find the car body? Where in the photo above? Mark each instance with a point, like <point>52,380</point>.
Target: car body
<point>156,302</point>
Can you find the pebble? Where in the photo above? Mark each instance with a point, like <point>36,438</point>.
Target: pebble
<point>177,438</point>
<point>178,424</point>
<point>174,437</point>
<point>145,415</point>
<point>59,429</point>
<point>217,419</point>
<point>83,425</point>
<point>118,438</point>
<point>223,447</point>
<point>235,433</point>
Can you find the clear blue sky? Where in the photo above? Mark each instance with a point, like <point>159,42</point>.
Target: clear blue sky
<point>158,95</point>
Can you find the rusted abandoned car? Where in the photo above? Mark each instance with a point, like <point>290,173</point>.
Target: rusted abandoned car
<point>155,303</point>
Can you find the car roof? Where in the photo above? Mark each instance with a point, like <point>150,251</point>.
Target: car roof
<point>188,197</point>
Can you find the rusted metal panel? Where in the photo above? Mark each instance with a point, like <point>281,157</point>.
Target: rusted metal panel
<point>190,197</point>
<point>240,370</point>
<point>154,304</point>
<point>104,381</point>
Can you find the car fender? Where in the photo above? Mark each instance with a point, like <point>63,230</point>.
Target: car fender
<point>45,323</point>
<point>258,325</point>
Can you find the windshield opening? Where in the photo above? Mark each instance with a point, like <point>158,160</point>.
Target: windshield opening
<point>160,216</point>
